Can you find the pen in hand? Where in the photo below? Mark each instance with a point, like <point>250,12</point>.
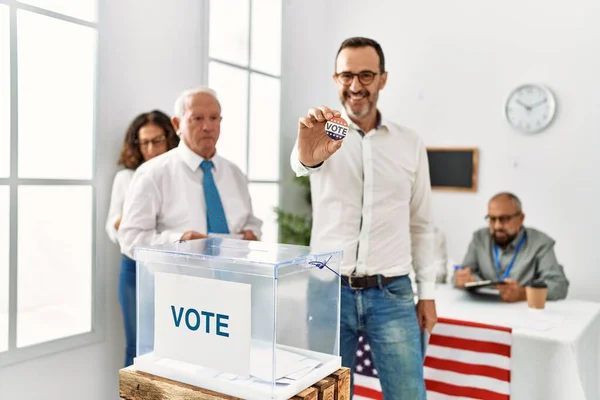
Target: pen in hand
<point>462,275</point>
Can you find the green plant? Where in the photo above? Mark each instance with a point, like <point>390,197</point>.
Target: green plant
<point>304,181</point>
<point>295,228</point>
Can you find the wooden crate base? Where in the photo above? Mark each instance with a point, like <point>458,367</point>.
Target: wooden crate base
<point>137,385</point>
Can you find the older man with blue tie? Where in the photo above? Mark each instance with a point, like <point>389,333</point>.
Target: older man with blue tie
<point>189,192</point>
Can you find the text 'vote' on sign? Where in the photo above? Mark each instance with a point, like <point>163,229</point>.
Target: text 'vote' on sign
<point>194,319</point>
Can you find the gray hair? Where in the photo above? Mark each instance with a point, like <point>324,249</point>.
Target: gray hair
<point>179,108</point>
<point>511,197</point>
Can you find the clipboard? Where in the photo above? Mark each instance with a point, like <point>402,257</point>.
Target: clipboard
<point>484,289</point>
<point>471,286</point>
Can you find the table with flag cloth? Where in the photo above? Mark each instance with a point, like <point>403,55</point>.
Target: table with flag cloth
<point>482,348</point>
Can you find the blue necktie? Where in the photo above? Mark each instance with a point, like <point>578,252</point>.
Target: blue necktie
<point>215,215</point>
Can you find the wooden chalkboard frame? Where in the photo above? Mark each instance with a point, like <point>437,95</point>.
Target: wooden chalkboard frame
<point>475,152</point>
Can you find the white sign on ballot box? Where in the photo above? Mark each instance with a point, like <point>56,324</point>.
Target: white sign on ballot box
<point>204,322</point>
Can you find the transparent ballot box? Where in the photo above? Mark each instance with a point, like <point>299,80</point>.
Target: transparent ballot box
<point>247,319</point>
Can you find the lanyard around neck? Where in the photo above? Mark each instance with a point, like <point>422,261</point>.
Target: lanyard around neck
<point>512,261</point>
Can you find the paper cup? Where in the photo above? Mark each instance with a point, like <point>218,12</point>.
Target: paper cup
<point>536,297</point>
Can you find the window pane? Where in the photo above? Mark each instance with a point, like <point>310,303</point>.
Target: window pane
<point>264,127</point>
<point>266,36</point>
<point>82,9</point>
<point>231,85</point>
<point>265,196</point>
<point>4,246</point>
<point>55,262</point>
<point>228,32</point>
<point>56,98</point>
<point>4,93</point>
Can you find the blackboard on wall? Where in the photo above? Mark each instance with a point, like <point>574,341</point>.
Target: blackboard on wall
<point>453,168</point>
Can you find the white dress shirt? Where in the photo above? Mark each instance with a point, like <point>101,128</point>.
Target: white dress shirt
<point>371,199</point>
<point>166,199</point>
<point>117,199</point>
<point>440,257</point>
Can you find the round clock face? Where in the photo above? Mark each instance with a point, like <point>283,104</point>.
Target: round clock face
<point>530,108</point>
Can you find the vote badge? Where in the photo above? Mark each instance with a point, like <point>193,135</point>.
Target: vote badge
<point>336,128</point>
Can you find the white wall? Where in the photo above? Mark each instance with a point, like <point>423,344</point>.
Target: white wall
<point>306,65</point>
<point>148,53</point>
<point>451,68</point>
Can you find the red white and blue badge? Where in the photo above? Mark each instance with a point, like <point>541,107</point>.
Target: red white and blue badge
<point>336,128</point>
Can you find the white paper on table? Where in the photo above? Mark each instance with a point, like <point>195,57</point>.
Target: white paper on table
<point>236,379</point>
<point>538,320</point>
<point>489,291</point>
<point>306,365</point>
<point>227,376</point>
<point>285,381</point>
<point>261,362</point>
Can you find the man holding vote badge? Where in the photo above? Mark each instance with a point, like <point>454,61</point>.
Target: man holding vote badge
<point>371,198</point>
<point>511,253</point>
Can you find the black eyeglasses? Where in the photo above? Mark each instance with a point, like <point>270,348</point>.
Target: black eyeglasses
<point>503,219</point>
<point>156,141</point>
<point>364,77</point>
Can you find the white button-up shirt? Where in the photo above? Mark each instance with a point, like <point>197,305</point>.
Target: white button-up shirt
<point>117,199</point>
<point>371,199</point>
<point>166,199</point>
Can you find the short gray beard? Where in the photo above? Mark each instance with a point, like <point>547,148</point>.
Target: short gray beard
<point>362,114</point>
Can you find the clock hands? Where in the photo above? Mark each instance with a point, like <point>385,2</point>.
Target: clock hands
<point>532,106</point>
<point>539,103</point>
<point>528,108</point>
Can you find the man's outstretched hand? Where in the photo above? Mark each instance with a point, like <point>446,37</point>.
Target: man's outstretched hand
<point>314,146</point>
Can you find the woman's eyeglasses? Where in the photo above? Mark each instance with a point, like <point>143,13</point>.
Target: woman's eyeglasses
<point>156,141</point>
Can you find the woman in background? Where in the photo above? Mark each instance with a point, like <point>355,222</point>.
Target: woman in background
<point>149,135</point>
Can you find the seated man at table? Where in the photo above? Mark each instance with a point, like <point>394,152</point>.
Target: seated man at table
<point>509,252</point>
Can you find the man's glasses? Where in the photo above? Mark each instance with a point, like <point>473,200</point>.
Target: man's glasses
<point>364,77</point>
<point>503,219</point>
<point>156,141</point>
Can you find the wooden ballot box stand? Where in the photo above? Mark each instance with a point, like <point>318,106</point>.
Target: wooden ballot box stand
<point>136,385</point>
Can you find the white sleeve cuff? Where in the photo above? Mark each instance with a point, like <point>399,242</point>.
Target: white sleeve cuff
<point>174,237</point>
<point>111,231</point>
<point>426,290</point>
<point>302,170</point>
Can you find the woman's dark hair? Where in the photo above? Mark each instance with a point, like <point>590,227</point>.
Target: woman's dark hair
<point>131,156</point>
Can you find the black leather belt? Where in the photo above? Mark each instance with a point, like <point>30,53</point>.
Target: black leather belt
<point>367,282</point>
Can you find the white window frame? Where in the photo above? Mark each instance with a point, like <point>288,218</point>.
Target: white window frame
<point>249,70</point>
<point>15,354</point>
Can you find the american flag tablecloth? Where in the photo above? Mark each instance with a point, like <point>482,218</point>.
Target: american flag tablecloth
<point>462,360</point>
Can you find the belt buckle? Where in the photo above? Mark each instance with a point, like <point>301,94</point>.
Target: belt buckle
<point>350,283</point>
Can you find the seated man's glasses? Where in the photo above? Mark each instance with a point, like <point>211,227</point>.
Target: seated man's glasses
<point>503,219</point>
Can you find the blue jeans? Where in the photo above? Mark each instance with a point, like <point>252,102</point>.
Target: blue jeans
<point>127,298</point>
<point>387,317</point>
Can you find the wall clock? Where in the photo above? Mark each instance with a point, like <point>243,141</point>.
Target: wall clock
<point>530,108</point>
